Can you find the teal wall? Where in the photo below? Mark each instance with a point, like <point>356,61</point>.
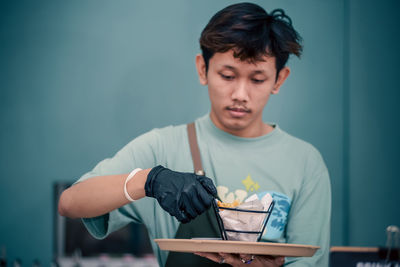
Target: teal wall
<point>80,79</point>
<point>373,120</point>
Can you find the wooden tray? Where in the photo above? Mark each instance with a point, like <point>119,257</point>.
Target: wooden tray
<point>257,248</point>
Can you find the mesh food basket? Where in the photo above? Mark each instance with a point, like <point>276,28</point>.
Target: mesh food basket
<point>226,232</point>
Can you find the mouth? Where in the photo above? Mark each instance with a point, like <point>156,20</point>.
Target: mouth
<point>238,112</point>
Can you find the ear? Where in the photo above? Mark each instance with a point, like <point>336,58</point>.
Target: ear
<point>283,74</point>
<point>201,69</point>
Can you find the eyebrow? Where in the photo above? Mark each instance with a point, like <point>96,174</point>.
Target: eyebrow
<point>229,67</point>
<point>259,72</point>
<point>254,72</point>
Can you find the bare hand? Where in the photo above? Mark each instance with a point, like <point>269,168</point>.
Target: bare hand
<point>238,260</point>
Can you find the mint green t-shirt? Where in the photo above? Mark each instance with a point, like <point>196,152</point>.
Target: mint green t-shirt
<point>291,170</point>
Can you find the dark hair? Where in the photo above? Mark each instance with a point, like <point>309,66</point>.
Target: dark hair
<point>252,33</point>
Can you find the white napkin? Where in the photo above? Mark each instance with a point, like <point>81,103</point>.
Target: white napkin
<point>246,221</point>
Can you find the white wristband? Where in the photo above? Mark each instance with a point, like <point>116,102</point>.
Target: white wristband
<point>130,176</point>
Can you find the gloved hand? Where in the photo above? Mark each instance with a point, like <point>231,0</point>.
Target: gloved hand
<point>183,195</point>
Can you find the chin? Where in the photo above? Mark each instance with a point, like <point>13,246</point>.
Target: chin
<point>231,124</point>
<point>235,125</point>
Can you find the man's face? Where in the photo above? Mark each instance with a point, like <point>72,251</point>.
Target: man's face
<point>239,91</point>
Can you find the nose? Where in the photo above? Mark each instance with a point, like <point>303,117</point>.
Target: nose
<point>240,92</point>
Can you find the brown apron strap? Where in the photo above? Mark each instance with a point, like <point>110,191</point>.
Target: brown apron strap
<point>204,225</point>
<point>194,149</point>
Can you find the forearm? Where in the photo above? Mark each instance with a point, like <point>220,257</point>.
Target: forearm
<point>99,195</point>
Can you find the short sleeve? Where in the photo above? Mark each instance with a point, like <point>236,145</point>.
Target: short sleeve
<point>309,217</point>
<point>143,152</point>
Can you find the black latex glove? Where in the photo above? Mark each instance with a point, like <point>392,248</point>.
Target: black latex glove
<point>183,195</point>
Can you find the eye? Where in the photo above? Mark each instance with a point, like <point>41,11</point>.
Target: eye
<point>227,77</point>
<point>257,81</point>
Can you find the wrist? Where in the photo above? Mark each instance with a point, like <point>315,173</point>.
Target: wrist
<point>150,179</point>
<point>135,186</point>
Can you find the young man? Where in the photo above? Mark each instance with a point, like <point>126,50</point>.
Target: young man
<point>244,52</point>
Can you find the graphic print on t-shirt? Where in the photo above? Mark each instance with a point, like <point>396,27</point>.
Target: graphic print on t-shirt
<point>250,184</point>
<point>229,197</point>
<point>278,219</point>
